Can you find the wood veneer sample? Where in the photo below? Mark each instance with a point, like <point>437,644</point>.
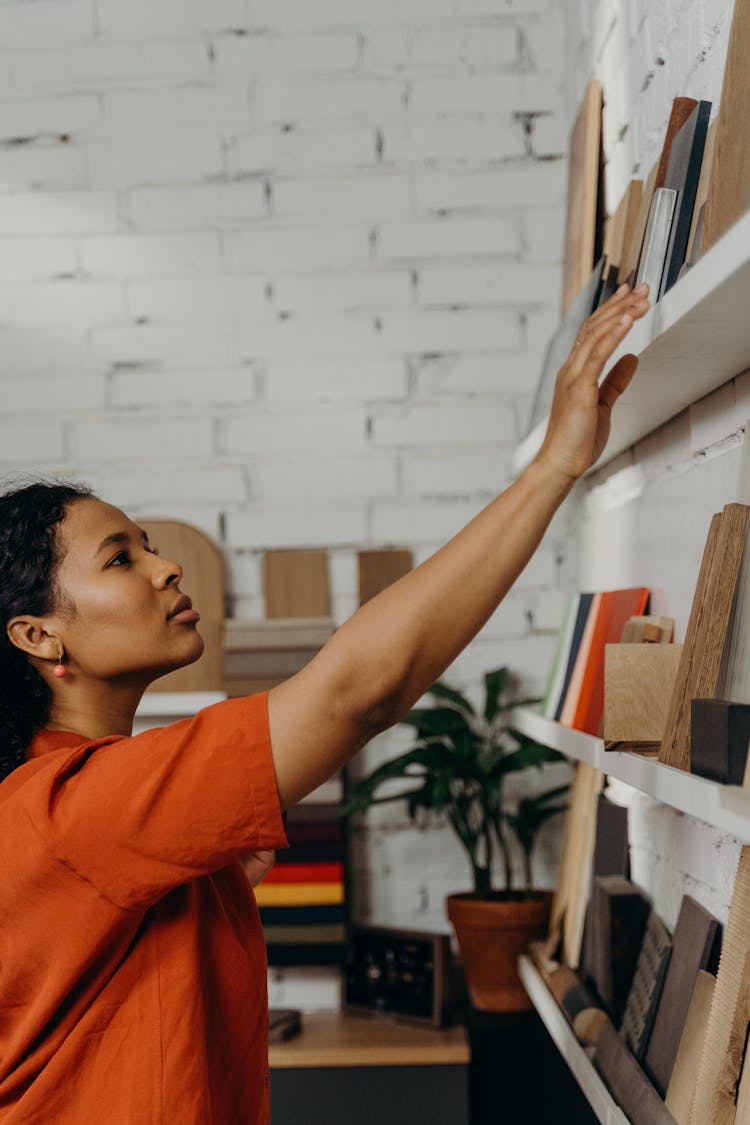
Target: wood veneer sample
<point>681,110</point>
<point>574,881</point>
<point>724,1047</point>
<point>694,948</point>
<point>706,640</point>
<point>632,252</point>
<point>683,175</point>
<point>611,857</point>
<point>619,916</point>
<point>646,989</point>
<point>583,194</point>
<point>695,246</point>
<point>619,230</point>
<point>729,188</point>
<point>379,569</point>
<point>638,683</point>
<point>679,1099</point>
<point>651,628</point>
<point>296,584</point>
<point>203,566</point>
<point>628,1084</point>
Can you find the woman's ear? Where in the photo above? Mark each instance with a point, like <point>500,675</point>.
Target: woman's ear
<point>29,635</point>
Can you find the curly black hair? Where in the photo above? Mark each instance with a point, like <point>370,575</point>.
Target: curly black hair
<point>29,558</point>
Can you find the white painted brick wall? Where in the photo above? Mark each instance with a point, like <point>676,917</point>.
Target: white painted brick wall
<point>282,269</point>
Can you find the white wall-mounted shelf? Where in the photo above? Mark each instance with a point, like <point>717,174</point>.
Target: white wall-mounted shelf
<point>592,1086</point>
<point>691,342</point>
<point>726,807</point>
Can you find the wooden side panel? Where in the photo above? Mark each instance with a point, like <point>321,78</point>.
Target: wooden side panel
<point>724,1047</point>
<point>296,584</point>
<point>379,569</point>
<point>583,188</point>
<point>203,580</point>
<point>638,683</point>
<point>729,189</point>
<point>675,747</point>
<point>684,1078</point>
<point>632,254</point>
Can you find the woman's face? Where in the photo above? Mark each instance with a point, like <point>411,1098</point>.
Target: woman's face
<point>118,599</point>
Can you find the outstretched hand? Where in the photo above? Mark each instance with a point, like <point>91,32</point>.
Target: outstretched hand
<point>579,420</point>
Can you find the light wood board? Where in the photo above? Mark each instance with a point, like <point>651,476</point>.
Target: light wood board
<point>632,253</point>
<point>203,580</point>
<point>681,1091</point>
<point>650,629</point>
<point>583,194</point>
<point>724,1046</point>
<point>619,230</point>
<point>729,187</point>
<point>639,680</point>
<point>574,883</point>
<point>706,642</point>
<point>296,584</point>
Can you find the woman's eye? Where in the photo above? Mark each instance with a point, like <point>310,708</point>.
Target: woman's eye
<point>121,559</point>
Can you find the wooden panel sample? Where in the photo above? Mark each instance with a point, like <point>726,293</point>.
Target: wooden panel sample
<point>707,634</point>
<point>583,192</point>
<point>683,174</point>
<point>203,579</point>
<point>379,569</point>
<point>719,740</point>
<point>681,110</point>
<point>648,981</point>
<point>619,915</point>
<point>650,629</point>
<point>296,584</point>
<point>638,683</point>
<point>611,857</point>
<point>619,230</point>
<point>695,243</point>
<point>694,947</point>
<point>571,896</point>
<point>724,1047</point>
<point>632,254</point>
<point>729,189</point>
<point>629,1085</point>
<point>681,1092</point>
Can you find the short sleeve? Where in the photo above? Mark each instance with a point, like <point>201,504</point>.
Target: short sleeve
<point>138,816</point>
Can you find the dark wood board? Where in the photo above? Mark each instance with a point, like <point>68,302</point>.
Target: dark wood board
<point>694,948</point>
<point>683,174</point>
<point>619,913</point>
<point>648,982</point>
<point>628,1084</point>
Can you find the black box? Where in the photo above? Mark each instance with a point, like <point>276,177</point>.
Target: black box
<point>720,734</point>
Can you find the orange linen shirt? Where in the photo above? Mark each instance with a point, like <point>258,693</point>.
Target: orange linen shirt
<point>133,972</point>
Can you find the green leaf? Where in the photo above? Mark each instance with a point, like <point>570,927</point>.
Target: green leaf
<point>494,686</point>
<point>527,755</point>
<point>431,721</point>
<point>442,691</point>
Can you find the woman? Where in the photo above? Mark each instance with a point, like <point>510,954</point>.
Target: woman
<point>132,962</point>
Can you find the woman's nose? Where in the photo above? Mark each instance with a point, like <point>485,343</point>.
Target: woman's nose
<point>166,573</point>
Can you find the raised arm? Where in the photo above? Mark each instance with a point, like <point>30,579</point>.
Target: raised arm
<point>393,649</point>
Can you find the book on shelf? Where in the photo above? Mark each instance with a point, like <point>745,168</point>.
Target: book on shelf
<point>575,689</point>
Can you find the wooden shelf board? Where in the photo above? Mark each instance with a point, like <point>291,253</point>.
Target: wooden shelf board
<point>691,342</point>
<point>349,1039</point>
<point>726,807</point>
<point>592,1086</point>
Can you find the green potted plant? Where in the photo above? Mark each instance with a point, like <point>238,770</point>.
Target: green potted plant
<point>459,764</point>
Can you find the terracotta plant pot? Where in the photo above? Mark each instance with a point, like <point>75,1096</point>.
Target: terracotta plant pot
<point>492,934</point>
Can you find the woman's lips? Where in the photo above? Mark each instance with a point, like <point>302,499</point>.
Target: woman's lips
<point>186,617</point>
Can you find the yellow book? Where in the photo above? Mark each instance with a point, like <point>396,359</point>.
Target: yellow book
<point>299,894</point>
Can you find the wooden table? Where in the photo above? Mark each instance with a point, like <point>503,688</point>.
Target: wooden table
<point>372,1070</point>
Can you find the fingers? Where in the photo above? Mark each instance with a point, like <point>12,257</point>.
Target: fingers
<point>623,299</point>
<point>599,337</point>
<point>617,380</point>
